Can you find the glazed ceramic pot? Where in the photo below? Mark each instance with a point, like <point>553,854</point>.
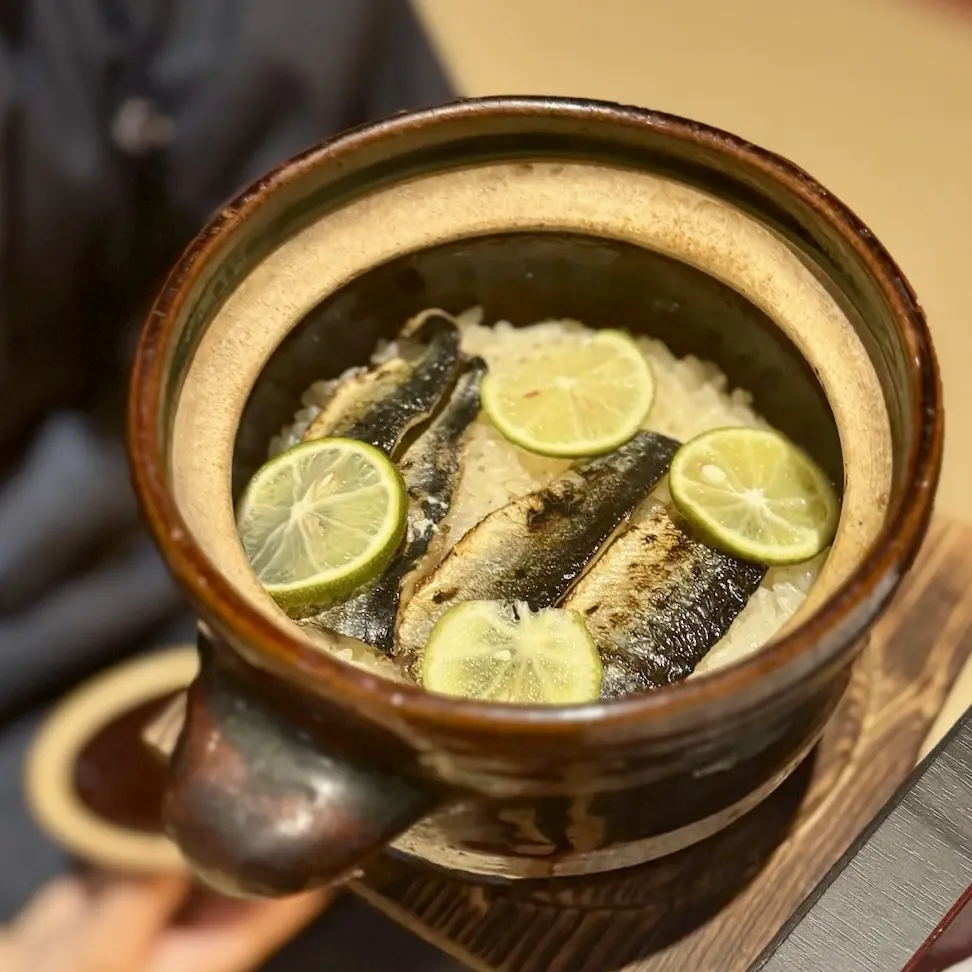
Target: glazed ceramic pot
<point>294,767</point>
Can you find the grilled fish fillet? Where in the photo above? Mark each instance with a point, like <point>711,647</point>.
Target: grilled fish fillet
<point>533,549</point>
<point>431,468</point>
<point>657,600</point>
<point>380,405</point>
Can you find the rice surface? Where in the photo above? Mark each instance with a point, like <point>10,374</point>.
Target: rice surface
<point>692,396</point>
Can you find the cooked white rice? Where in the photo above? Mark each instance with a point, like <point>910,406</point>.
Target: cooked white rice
<point>691,397</point>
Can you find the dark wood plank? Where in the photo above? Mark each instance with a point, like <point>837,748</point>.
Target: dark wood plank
<point>714,907</point>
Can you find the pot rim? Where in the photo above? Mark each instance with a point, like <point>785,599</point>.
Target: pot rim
<point>807,650</point>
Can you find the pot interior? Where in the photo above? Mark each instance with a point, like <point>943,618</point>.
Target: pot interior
<point>524,278</point>
<point>611,247</point>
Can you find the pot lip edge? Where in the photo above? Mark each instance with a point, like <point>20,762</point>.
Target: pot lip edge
<point>828,634</point>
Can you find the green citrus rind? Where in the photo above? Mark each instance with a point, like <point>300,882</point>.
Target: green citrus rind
<point>804,514</point>
<point>482,650</point>
<point>498,402</point>
<point>333,582</point>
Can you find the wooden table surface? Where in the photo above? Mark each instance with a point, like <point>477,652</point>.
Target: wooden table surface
<point>714,907</point>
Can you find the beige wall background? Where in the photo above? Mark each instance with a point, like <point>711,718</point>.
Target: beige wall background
<point>874,97</point>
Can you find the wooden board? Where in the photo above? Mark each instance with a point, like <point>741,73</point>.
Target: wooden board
<point>714,907</point>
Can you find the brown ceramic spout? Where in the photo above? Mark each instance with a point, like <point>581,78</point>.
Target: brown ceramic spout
<point>259,809</point>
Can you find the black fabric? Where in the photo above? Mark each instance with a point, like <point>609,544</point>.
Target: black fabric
<point>92,213</point>
<point>123,125</point>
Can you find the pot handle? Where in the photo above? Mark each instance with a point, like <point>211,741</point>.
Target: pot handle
<point>260,809</point>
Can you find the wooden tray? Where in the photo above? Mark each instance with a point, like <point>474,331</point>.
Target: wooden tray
<point>713,907</point>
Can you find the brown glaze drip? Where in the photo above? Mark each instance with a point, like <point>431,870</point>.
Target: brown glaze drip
<point>117,777</point>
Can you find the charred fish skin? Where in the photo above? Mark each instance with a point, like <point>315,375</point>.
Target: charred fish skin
<point>381,405</point>
<point>534,548</point>
<point>431,468</point>
<point>657,600</point>
<point>354,395</point>
<point>432,465</point>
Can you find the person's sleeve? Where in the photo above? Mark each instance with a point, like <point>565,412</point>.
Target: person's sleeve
<point>80,581</point>
<point>290,73</point>
<point>88,227</point>
<point>59,189</point>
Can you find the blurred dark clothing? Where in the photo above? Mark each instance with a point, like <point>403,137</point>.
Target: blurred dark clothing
<point>124,124</point>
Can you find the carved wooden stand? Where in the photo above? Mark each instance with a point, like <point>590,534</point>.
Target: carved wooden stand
<point>713,907</point>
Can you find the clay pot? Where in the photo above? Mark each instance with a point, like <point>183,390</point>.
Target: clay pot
<point>294,767</point>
